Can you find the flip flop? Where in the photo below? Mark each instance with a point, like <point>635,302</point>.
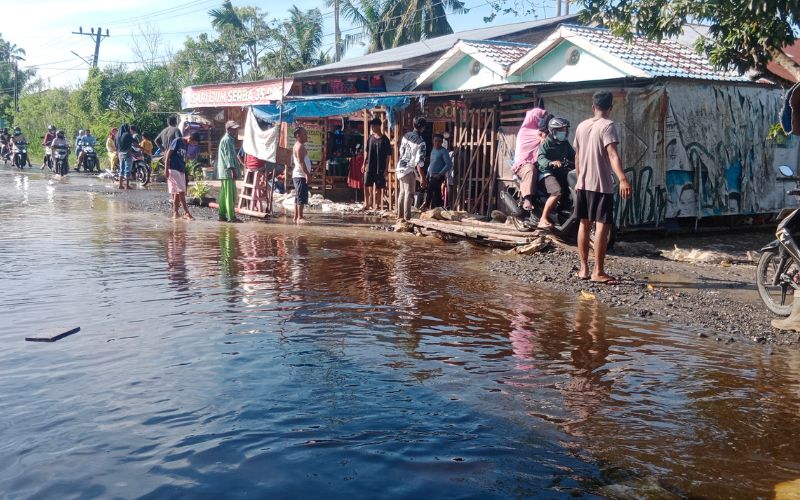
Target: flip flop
<point>607,281</point>
<point>582,278</point>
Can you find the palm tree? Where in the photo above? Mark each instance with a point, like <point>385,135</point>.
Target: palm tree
<point>11,52</point>
<point>391,23</point>
<point>299,43</point>
<point>338,50</point>
<point>418,19</point>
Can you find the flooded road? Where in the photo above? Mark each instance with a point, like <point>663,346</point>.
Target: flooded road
<point>267,360</point>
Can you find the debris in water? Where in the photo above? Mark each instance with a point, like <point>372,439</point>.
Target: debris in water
<point>787,490</point>
<point>584,295</point>
<point>53,338</point>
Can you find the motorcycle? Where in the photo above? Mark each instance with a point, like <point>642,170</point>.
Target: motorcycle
<point>140,170</point>
<point>565,223</point>
<point>778,271</point>
<point>61,157</point>
<point>20,155</point>
<point>89,162</point>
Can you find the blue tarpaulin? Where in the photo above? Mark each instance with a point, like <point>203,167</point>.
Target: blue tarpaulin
<point>319,107</point>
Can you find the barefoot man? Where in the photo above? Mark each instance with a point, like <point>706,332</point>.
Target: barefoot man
<point>597,161</point>
<point>300,174</point>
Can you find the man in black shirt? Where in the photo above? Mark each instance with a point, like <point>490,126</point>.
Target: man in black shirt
<point>379,150</point>
<point>168,134</point>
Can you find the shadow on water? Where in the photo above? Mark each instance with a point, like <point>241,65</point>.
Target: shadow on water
<point>227,360</point>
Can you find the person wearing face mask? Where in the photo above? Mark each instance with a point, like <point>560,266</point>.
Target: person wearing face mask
<point>556,159</point>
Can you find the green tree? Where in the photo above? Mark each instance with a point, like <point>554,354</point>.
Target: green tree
<point>743,34</point>
<point>245,32</point>
<point>391,23</point>
<point>10,56</point>
<point>298,43</point>
<point>199,62</point>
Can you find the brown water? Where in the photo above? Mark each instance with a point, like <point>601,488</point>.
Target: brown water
<point>267,360</point>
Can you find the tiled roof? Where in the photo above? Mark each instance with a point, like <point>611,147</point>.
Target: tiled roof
<point>408,54</point>
<point>664,58</point>
<point>503,53</point>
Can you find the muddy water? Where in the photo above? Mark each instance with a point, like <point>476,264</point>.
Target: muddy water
<point>264,359</point>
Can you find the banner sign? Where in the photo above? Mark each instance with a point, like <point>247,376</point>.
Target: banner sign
<point>234,94</point>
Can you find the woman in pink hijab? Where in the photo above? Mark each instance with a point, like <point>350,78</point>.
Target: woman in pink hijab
<point>531,134</point>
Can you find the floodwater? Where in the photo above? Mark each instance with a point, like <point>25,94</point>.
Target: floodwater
<point>266,360</point>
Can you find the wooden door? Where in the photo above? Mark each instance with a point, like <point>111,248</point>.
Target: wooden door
<point>474,162</point>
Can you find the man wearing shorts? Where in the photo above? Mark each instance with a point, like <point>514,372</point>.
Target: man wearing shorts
<point>379,149</point>
<point>597,162</point>
<point>301,174</point>
<point>175,166</point>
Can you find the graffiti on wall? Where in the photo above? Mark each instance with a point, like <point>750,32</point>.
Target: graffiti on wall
<point>717,158</point>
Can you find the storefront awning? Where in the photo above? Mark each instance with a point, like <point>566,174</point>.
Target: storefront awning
<point>320,107</point>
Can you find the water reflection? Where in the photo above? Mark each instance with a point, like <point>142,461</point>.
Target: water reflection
<point>368,365</point>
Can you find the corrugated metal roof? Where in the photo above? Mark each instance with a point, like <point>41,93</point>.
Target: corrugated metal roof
<point>665,58</point>
<point>503,53</point>
<point>394,58</point>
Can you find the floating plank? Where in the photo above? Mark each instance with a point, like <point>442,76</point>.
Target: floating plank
<point>53,338</point>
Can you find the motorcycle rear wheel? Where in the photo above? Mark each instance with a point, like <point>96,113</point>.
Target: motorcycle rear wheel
<point>141,173</point>
<point>771,294</point>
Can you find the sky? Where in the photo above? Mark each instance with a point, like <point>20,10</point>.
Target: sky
<point>44,29</point>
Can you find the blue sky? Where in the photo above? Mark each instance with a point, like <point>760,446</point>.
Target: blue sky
<point>43,28</point>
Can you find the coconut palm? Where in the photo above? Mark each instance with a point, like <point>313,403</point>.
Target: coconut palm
<point>299,43</point>
<point>391,23</point>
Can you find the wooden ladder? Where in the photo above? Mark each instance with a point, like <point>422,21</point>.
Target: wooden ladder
<point>256,193</point>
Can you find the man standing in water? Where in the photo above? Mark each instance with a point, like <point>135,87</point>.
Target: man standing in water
<point>379,149</point>
<point>409,167</point>
<point>597,161</point>
<point>300,174</point>
<point>227,169</point>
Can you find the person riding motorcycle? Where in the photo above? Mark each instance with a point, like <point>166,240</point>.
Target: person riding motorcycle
<point>46,140</point>
<point>530,136</point>
<point>19,138</point>
<point>60,142</point>
<point>87,140</point>
<point>79,143</point>
<point>5,140</point>
<point>556,158</point>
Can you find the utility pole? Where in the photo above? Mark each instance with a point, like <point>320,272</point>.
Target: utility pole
<point>98,37</point>
<point>558,7</point>
<point>16,86</point>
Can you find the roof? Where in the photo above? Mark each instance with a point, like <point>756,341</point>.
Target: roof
<point>638,57</point>
<point>793,51</point>
<point>418,55</point>
<point>496,55</point>
<point>504,54</point>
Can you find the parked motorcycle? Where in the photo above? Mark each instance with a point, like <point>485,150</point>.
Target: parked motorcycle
<point>778,271</point>
<point>89,162</point>
<point>61,160</point>
<point>565,223</point>
<point>20,155</point>
<point>140,171</point>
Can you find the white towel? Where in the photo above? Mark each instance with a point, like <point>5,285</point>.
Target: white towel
<point>259,143</point>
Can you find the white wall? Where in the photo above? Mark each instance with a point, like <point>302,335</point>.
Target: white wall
<point>553,67</point>
<point>459,77</point>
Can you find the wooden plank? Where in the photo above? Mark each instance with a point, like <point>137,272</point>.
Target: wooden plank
<point>53,337</point>
<point>473,232</point>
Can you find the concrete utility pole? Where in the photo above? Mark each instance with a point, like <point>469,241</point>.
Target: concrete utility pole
<point>16,86</point>
<point>98,37</point>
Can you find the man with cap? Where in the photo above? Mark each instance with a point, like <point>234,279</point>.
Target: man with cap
<point>227,172</point>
